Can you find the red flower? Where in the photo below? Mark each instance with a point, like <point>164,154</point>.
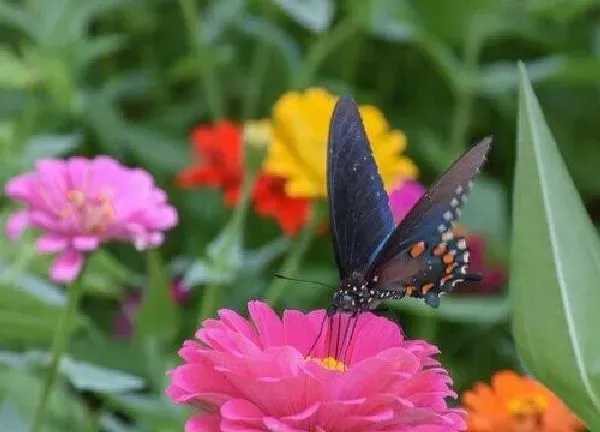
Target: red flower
<point>219,148</point>
<point>270,199</point>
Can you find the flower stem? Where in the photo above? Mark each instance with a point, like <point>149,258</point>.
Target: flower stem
<point>293,260</point>
<point>60,343</point>
<point>321,49</point>
<point>465,93</point>
<point>206,64</point>
<point>210,298</point>
<point>258,71</point>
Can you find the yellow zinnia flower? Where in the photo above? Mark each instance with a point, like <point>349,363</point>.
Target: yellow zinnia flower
<point>298,147</point>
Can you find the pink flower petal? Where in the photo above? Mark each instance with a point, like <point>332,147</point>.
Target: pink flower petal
<point>203,423</point>
<point>86,243</point>
<point>16,224</point>
<point>268,324</point>
<point>51,243</point>
<point>66,266</point>
<point>20,187</point>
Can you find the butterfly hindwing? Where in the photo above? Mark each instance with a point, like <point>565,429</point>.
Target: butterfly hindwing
<point>359,211</point>
<point>421,254</point>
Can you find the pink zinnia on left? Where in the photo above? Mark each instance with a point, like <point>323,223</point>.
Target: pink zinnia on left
<point>80,203</point>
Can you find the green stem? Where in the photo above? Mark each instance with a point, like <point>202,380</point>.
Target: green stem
<point>258,70</point>
<point>60,343</point>
<point>210,298</point>
<point>293,260</point>
<point>463,109</point>
<point>321,49</point>
<point>208,76</point>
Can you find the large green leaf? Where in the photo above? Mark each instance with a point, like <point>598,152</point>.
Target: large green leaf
<point>555,268</point>
<point>478,309</point>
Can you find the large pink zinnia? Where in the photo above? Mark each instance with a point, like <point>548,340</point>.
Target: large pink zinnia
<point>255,376</point>
<point>80,203</point>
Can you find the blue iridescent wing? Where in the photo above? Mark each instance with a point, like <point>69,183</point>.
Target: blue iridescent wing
<point>359,211</point>
<point>422,257</point>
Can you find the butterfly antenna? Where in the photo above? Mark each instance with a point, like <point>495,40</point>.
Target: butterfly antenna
<point>280,276</point>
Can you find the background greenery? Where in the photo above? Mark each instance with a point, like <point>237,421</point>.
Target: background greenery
<point>132,78</point>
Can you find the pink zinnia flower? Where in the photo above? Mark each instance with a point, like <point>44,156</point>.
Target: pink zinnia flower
<point>80,203</point>
<point>404,197</point>
<point>256,376</point>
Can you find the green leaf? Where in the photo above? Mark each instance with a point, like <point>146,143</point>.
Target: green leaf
<point>268,32</point>
<point>158,315</point>
<point>203,272</point>
<point>313,15</point>
<point>21,389</point>
<point>217,17</point>
<point>393,20</point>
<point>486,212</point>
<point>11,419</point>
<point>150,410</point>
<point>26,319</point>
<point>466,309</point>
<point>48,146</point>
<point>14,72</point>
<point>87,376</point>
<point>555,268</point>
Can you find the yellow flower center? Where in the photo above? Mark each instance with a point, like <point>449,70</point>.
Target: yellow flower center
<point>528,405</point>
<point>92,214</point>
<point>528,412</point>
<point>330,363</point>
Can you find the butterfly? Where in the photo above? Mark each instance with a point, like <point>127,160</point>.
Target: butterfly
<point>420,257</point>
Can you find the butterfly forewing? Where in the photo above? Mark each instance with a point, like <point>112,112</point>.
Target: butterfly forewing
<point>358,204</point>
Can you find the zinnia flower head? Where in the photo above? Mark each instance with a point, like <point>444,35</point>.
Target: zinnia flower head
<point>81,203</point>
<point>270,199</point>
<point>256,375</point>
<point>300,132</point>
<point>513,403</point>
<point>220,162</point>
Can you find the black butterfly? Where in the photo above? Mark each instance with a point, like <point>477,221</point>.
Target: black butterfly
<point>418,258</point>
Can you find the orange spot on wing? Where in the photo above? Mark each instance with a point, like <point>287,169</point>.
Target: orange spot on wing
<point>448,258</point>
<point>439,249</point>
<point>427,287</point>
<point>417,249</point>
<point>451,267</point>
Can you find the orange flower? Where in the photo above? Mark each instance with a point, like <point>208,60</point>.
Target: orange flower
<point>270,199</point>
<point>517,404</point>
<point>219,150</point>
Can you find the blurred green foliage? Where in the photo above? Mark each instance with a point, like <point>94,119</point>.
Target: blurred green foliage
<point>132,78</point>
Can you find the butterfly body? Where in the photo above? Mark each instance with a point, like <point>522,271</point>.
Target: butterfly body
<point>420,257</point>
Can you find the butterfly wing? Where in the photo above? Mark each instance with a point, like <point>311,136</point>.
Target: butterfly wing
<point>422,257</point>
<point>359,211</point>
